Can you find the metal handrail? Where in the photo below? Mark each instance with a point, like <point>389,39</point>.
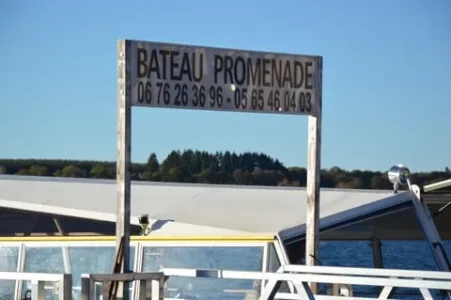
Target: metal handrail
<point>302,275</point>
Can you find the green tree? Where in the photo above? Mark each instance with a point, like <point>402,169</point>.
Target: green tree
<point>222,167</point>
<point>72,171</point>
<point>98,171</point>
<point>172,175</point>
<point>357,183</point>
<point>23,172</point>
<point>36,170</point>
<point>171,161</point>
<point>152,163</point>
<point>376,182</point>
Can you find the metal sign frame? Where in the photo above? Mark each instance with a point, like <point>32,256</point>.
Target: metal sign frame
<point>127,72</point>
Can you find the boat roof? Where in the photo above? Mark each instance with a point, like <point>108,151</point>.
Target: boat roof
<point>195,209</point>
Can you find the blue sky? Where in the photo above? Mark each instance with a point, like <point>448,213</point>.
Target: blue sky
<point>386,90</point>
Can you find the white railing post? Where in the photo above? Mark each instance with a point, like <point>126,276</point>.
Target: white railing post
<point>157,289</point>
<point>37,289</point>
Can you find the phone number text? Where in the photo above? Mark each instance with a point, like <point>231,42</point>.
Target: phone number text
<point>216,97</point>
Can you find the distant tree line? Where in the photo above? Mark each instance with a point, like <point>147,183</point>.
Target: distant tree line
<point>217,168</point>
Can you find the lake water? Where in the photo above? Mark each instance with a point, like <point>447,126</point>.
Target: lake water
<point>410,255</point>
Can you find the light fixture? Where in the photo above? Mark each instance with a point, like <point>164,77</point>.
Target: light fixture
<point>399,175</point>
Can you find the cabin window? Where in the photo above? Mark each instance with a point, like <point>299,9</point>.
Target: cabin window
<point>93,260</point>
<point>42,260</point>
<point>8,263</point>
<point>8,259</point>
<point>202,257</point>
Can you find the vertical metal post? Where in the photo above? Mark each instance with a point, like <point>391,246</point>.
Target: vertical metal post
<point>378,262</point>
<point>123,159</point>
<point>430,231</point>
<point>139,252</point>
<point>376,246</point>
<point>313,174</point>
<point>85,288</point>
<point>65,291</point>
<point>65,249</point>
<point>20,268</point>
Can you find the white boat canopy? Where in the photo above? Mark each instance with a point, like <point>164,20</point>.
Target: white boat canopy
<point>177,209</point>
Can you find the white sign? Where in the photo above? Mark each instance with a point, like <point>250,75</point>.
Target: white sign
<point>190,77</point>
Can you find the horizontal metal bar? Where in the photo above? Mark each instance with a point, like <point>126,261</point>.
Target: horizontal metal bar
<point>126,276</point>
<point>327,297</point>
<point>442,209</point>
<point>287,296</point>
<point>31,276</point>
<point>436,186</point>
<point>339,279</point>
<point>374,272</point>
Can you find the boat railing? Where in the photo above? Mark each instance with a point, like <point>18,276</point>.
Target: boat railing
<point>297,277</point>
<point>150,285</point>
<point>60,284</point>
<point>342,277</point>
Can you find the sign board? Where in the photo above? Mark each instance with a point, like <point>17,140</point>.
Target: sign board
<point>191,77</point>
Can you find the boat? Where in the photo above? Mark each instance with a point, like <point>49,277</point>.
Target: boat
<point>211,241</point>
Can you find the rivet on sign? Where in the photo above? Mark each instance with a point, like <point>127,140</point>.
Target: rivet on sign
<point>122,54</point>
